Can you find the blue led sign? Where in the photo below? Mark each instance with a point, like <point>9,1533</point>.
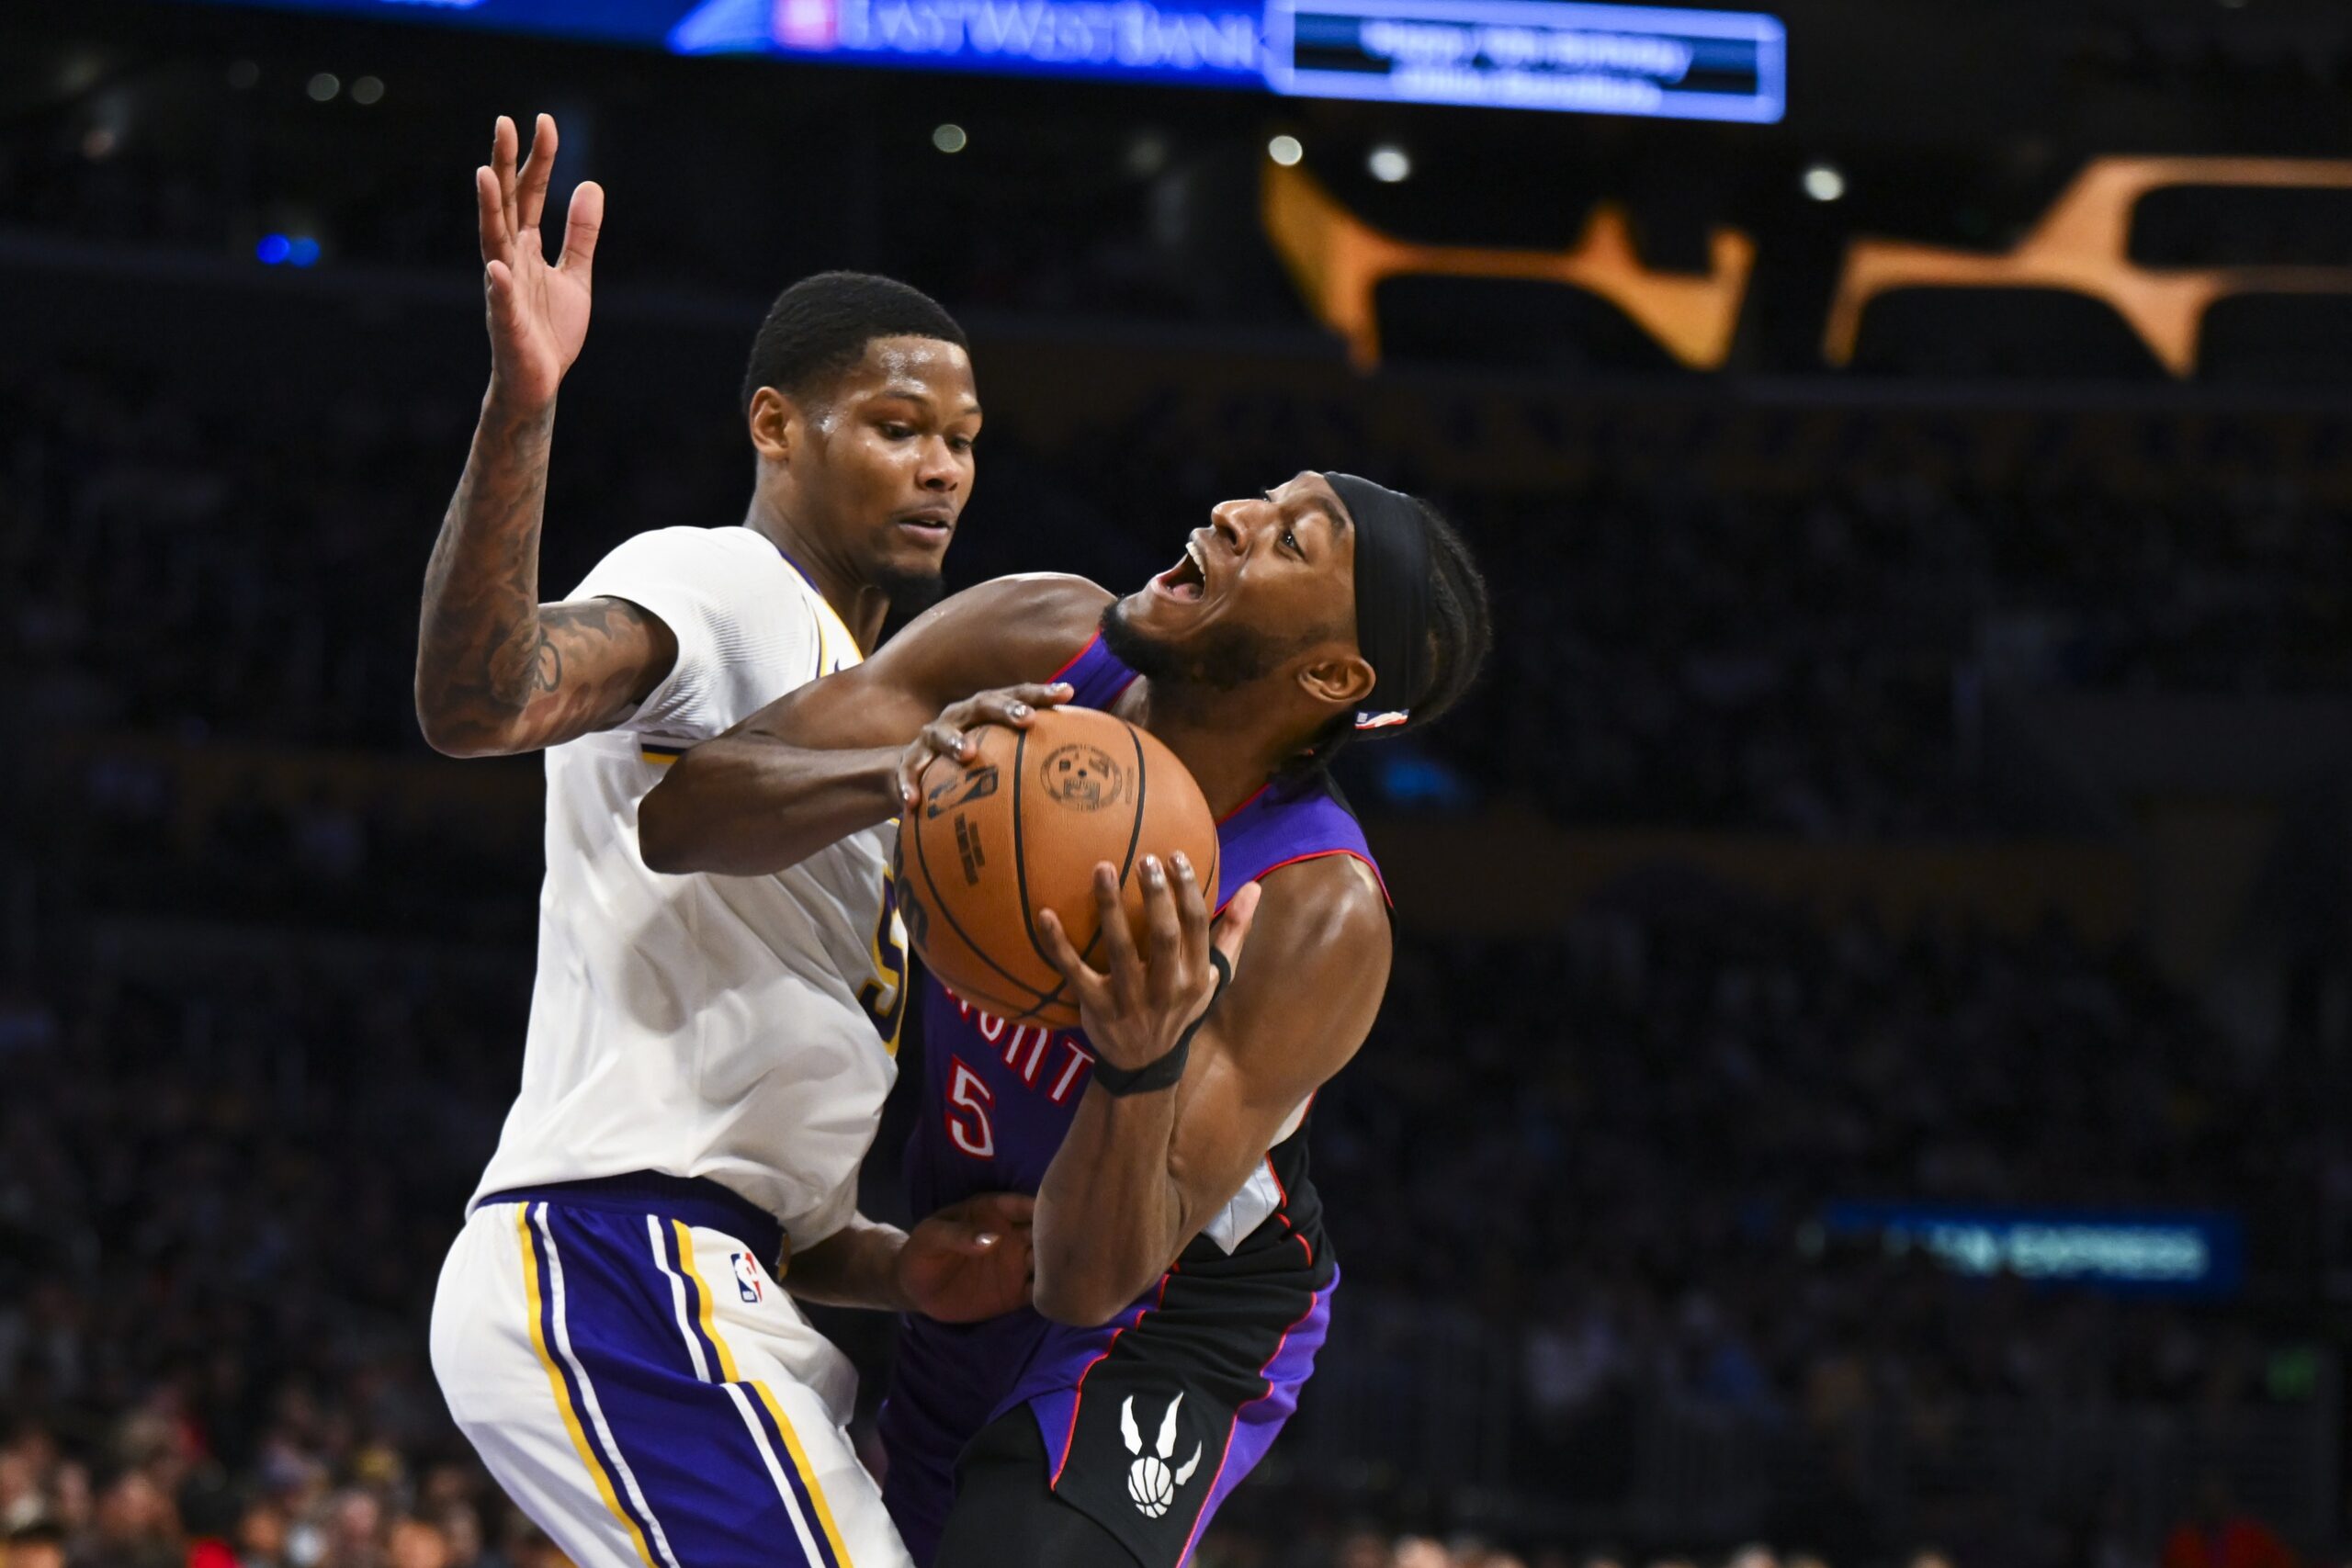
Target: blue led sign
<point>1528,54</point>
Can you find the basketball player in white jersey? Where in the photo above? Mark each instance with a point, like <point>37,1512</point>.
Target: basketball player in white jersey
<point>706,1055</point>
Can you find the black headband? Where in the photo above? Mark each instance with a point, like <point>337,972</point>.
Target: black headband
<point>1392,596</point>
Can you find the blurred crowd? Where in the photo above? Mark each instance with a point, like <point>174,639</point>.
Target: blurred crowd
<point>222,1200</point>
<point>258,1024</point>
<point>1684,1073</point>
<point>1670,652</point>
<point>227,1178</point>
<point>205,150</point>
<point>139,126</point>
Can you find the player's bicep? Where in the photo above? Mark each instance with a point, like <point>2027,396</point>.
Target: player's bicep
<point>590,661</point>
<point>1302,1002</point>
<point>1003,632</point>
<point>598,658</point>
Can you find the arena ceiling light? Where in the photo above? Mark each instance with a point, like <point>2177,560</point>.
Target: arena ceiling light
<point>1389,164</point>
<point>1823,182</point>
<point>1146,154</point>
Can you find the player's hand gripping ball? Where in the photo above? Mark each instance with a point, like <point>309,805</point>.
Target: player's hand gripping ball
<point>1015,823</point>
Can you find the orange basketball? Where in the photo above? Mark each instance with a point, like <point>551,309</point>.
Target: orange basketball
<point>1020,829</point>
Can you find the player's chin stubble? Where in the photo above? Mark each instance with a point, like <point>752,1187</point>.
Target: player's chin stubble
<point>1221,659</point>
<point>911,589</point>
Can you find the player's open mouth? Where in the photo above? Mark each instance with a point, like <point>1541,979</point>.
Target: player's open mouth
<point>1186,579</point>
<point>934,524</point>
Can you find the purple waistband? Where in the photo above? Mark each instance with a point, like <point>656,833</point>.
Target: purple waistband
<point>694,1199</point>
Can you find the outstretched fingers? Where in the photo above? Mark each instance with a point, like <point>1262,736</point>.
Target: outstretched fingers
<point>489,214</point>
<point>583,222</point>
<point>504,145</point>
<point>531,186</point>
<point>498,283</point>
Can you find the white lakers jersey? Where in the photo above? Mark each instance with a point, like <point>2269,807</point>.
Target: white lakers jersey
<point>742,1028</point>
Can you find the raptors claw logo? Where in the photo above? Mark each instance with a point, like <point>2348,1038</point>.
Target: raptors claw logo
<point>1150,1485</point>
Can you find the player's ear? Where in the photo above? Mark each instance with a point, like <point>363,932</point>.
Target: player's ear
<point>775,423</point>
<point>1342,680</point>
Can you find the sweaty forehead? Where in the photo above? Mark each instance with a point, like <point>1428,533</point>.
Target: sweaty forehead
<point>1316,491</point>
<point>923,370</point>
<point>909,367</point>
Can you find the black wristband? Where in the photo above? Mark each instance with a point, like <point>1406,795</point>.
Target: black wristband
<point>1120,1082</point>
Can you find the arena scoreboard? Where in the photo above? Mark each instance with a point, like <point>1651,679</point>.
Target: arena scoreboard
<point>1525,54</point>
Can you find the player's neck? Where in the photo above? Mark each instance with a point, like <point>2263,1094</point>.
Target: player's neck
<point>1231,758</point>
<point>862,606</point>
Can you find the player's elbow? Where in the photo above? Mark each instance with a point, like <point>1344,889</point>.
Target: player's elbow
<point>1075,1308</point>
<point>675,827</point>
<point>457,734</point>
<point>665,840</point>
<point>1070,1297</point>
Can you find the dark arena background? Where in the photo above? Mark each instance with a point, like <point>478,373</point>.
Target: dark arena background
<point>1865,1078</point>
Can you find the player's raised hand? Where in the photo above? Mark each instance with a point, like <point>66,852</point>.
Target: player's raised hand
<point>971,1260</point>
<point>539,313</point>
<point>949,735</point>
<point>1137,1010</point>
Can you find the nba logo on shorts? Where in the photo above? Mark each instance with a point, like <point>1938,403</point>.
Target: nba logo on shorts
<point>747,1276</point>
<point>807,24</point>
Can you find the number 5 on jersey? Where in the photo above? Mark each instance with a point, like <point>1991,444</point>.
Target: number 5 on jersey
<point>968,1099</point>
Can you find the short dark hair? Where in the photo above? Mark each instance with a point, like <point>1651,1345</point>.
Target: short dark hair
<point>820,327</point>
<point>1461,633</point>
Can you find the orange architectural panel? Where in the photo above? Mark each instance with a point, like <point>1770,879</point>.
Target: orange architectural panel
<point>2082,245</point>
<point>1338,260</point>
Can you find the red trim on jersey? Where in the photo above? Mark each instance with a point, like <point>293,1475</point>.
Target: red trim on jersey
<point>1074,658</point>
<point>1314,1298</point>
<point>1247,803</point>
<point>1281,1212</point>
<point>1297,1236</point>
<point>1078,1395</point>
<point>1378,880</point>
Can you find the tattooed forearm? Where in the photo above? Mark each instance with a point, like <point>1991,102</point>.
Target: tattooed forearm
<point>481,585</point>
<point>496,671</point>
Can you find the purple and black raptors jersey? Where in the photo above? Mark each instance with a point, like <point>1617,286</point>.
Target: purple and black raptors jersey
<point>1233,1325</point>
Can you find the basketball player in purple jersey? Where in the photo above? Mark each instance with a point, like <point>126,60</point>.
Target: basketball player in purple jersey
<point>1183,1281</point>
